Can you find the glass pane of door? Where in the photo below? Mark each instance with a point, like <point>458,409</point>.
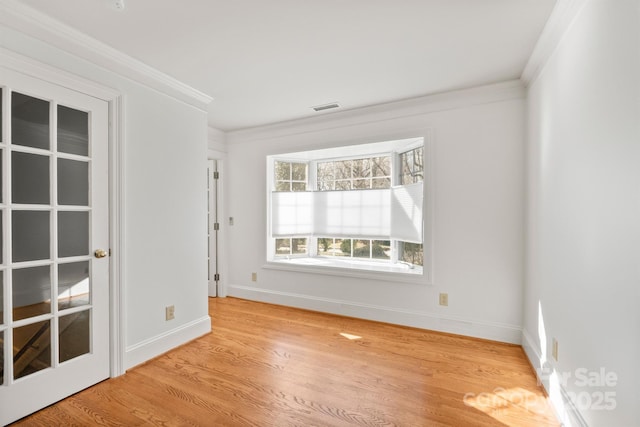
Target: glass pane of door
<point>1,156</point>
<point>30,235</point>
<point>29,121</point>
<point>29,178</point>
<point>1,234</point>
<point>1,358</point>
<point>1,303</point>
<point>31,348</point>
<point>73,131</point>
<point>73,335</point>
<point>73,285</point>
<point>31,292</point>
<point>73,234</point>
<point>73,182</point>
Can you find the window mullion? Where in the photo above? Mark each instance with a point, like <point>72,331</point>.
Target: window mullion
<point>396,169</point>
<point>395,249</point>
<point>333,181</point>
<point>312,185</point>
<point>352,183</point>
<point>312,176</point>
<point>312,248</point>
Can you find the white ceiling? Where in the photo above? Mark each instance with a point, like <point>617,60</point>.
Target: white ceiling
<point>267,61</point>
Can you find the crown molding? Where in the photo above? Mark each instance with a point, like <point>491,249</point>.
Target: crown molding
<point>217,139</point>
<point>25,65</point>
<point>498,92</point>
<point>215,134</point>
<point>33,23</point>
<point>562,17</point>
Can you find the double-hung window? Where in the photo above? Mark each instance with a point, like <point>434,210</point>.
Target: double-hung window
<point>357,207</point>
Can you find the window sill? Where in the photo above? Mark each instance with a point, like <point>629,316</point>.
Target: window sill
<point>359,269</point>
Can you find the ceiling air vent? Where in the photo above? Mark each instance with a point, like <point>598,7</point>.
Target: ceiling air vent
<point>326,106</point>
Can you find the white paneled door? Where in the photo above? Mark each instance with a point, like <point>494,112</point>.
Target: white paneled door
<point>54,250</point>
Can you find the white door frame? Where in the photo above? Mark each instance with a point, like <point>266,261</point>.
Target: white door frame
<point>212,235</point>
<point>220,157</point>
<point>19,63</point>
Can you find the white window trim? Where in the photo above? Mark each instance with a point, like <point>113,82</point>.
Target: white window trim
<point>393,273</point>
<point>340,268</point>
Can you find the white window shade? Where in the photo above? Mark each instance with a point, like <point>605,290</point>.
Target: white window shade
<point>368,214</point>
<point>355,213</point>
<point>406,213</point>
<point>291,214</point>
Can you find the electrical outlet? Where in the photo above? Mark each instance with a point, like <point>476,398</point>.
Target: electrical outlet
<point>444,299</point>
<point>554,349</point>
<point>170,312</point>
<point>254,277</point>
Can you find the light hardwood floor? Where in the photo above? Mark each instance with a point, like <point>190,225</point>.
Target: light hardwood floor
<point>266,365</point>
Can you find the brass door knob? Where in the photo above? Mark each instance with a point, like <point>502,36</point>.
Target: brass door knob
<point>100,253</point>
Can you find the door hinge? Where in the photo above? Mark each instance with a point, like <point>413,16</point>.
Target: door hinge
<point>216,226</point>
<point>216,175</point>
<point>216,277</point>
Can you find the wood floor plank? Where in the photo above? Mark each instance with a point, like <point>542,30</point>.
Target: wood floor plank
<point>266,365</point>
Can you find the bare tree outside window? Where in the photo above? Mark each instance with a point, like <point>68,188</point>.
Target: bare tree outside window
<point>413,253</point>
<point>290,176</point>
<point>328,246</point>
<point>354,174</point>
<point>412,166</point>
<point>354,248</point>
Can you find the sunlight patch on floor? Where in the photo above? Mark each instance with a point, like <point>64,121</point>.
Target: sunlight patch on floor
<point>350,336</point>
<point>511,406</point>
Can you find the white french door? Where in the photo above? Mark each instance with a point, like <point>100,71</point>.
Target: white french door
<point>54,232</point>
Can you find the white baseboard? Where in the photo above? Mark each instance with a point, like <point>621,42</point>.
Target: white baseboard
<point>564,408</point>
<point>155,346</point>
<point>533,352</point>
<point>417,319</point>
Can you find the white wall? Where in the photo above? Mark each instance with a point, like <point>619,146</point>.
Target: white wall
<point>165,215</point>
<point>583,227</point>
<point>165,205</point>
<point>478,143</point>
